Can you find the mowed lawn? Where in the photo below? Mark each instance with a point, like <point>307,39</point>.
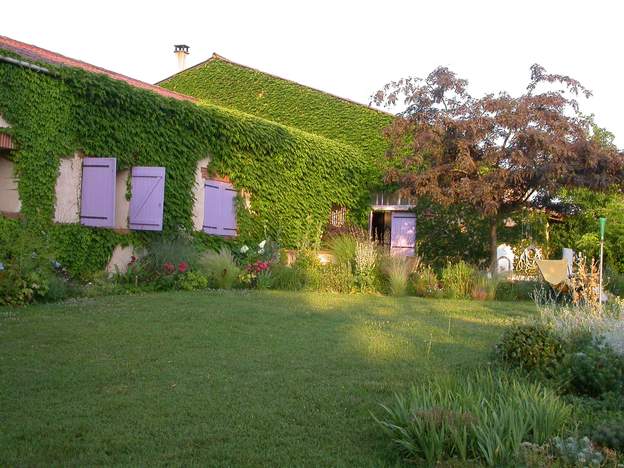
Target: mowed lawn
<point>225,378</point>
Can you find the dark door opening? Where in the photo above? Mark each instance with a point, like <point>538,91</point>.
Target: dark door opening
<point>380,227</point>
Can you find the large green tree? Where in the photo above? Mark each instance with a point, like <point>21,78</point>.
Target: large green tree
<point>496,153</point>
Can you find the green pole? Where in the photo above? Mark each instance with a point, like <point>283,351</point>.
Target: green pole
<point>603,223</point>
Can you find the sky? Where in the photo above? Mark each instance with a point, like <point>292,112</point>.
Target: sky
<point>350,49</point>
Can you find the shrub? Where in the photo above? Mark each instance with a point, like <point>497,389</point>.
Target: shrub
<point>337,278</point>
<point>532,348</point>
<point>485,416</point>
<point>577,452</point>
<point>191,281</point>
<point>515,290</point>
<point>397,271</point>
<point>18,287</point>
<point>592,370</point>
<point>220,267</point>
<point>59,288</point>
<point>287,278</point>
<point>425,282</point>
<point>168,250</point>
<point>458,280</point>
<point>610,435</point>
<point>308,267</point>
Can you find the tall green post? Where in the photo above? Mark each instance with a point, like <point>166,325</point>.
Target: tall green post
<point>603,223</point>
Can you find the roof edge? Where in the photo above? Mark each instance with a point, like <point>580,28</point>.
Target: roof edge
<point>40,55</point>
<point>216,57</point>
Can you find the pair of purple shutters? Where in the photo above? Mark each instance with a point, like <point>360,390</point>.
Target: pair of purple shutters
<point>99,180</point>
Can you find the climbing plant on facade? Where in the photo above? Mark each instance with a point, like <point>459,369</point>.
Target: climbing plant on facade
<point>293,177</point>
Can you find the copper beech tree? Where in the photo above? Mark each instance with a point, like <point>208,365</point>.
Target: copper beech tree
<point>495,153</point>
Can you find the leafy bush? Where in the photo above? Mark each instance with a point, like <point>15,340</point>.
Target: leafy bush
<point>424,282</point>
<point>485,416</point>
<point>592,369</point>
<point>308,267</point>
<point>532,348</point>
<point>191,281</point>
<point>458,280</point>
<point>59,288</point>
<point>577,452</point>
<point>397,271</point>
<point>337,278</point>
<point>610,435</point>
<point>220,267</point>
<point>287,278</point>
<point>18,287</point>
<point>163,250</point>
<point>515,290</point>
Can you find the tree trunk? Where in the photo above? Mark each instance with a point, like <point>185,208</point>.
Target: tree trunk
<point>493,245</point>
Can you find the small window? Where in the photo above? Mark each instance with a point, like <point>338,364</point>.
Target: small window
<point>9,196</point>
<point>338,216</point>
<point>219,208</point>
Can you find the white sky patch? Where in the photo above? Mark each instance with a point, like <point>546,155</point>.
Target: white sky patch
<point>347,48</point>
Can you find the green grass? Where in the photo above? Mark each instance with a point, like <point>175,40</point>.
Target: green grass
<point>225,378</point>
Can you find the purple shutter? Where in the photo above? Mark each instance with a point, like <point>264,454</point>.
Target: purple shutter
<point>219,208</point>
<point>97,206</point>
<point>212,211</point>
<point>403,234</point>
<point>228,210</point>
<point>148,196</point>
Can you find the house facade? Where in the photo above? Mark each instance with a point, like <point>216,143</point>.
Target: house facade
<point>391,221</point>
<point>100,162</point>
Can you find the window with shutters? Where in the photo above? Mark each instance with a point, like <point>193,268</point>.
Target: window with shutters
<point>9,197</point>
<point>219,208</point>
<point>147,200</point>
<point>97,198</point>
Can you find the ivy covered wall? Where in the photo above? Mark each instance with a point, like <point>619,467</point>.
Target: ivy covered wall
<point>293,177</point>
<point>235,86</point>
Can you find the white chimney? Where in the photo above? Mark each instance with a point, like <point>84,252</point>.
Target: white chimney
<point>181,52</point>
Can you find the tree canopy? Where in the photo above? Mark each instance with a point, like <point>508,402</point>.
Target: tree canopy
<point>495,153</point>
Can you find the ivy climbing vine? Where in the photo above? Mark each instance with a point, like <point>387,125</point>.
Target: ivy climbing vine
<point>293,177</point>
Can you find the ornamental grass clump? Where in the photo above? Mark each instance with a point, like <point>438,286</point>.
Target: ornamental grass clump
<point>458,280</point>
<point>397,271</point>
<point>485,417</point>
<point>220,267</point>
<point>343,248</point>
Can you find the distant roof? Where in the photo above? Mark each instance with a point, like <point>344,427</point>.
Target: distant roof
<point>38,54</point>
<point>216,56</point>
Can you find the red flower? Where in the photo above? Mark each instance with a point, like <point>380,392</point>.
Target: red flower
<point>182,267</point>
<point>169,267</point>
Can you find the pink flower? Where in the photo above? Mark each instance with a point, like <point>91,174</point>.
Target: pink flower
<point>182,267</point>
<point>169,267</point>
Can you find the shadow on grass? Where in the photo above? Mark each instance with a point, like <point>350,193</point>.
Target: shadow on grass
<point>247,378</point>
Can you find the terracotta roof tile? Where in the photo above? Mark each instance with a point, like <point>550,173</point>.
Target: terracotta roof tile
<point>38,54</point>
